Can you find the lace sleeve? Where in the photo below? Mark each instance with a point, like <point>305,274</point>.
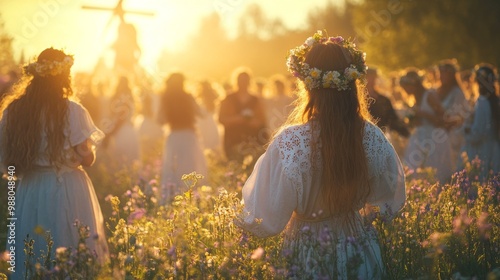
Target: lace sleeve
<point>268,196</point>
<point>294,151</point>
<point>387,179</point>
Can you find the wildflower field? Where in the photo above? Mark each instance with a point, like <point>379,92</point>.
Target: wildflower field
<point>449,231</point>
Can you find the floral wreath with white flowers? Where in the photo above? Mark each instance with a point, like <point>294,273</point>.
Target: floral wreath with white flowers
<point>315,78</point>
<point>46,68</point>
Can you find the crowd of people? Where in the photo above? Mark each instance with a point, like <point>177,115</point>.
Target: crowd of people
<point>311,124</point>
<point>429,116</point>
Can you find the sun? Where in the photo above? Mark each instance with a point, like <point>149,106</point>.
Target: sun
<point>155,22</point>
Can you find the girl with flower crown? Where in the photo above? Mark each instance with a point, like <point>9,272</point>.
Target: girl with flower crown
<point>482,129</point>
<point>323,168</point>
<point>46,139</point>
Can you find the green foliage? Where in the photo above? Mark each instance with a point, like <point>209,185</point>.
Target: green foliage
<point>443,232</point>
<point>403,33</point>
<point>194,237</point>
<point>66,263</point>
<point>6,52</point>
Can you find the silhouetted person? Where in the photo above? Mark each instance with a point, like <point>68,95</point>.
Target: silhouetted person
<point>455,104</point>
<point>482,130</point>
<point>123,136</point>
<point>381,109</point>
<point>243,117</point>
<point>182,153</point>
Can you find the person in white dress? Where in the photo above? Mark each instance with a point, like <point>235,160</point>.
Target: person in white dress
<point>124,141</point>
<point>206,123</point>
<point>182,152</point>
<point>482,130</point>
<point>318,175</point>
<point>47,149</point>
<point>455,105</point>
<point>149,130</point>
<point>430,144</point>
<point>279,105</point>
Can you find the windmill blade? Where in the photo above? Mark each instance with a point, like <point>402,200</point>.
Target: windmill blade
<point>142,13</point>
<point>96,8</point>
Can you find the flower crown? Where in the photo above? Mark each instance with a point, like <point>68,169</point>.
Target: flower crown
<point>316,78</point>
<point>46,68</point>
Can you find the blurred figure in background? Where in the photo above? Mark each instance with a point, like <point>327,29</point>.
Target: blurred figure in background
<point>429,145</point>
<point>260,84</point>
<point>207,124</point>
<point>381,108</point>
<point>399,97</point>
<point>150,131</point>
<point>279,105</point>
<point>83,87</point>
<point>482,130</point>
<point>124,141</point>
<point>182,152</point>
<point>243,116</point>
<point>467,82</point>
<point>454,103</point>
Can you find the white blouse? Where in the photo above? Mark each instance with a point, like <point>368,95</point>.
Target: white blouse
<point>284,185</point>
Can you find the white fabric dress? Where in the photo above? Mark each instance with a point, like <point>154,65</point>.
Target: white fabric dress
<point>182,155</point>
<point>53,199</point>
<point>481,141</point>
<point>283,192</point>
<point>209,132</point>
<point>430,146</point>
<point>456,107</point>
<point>125,146</point>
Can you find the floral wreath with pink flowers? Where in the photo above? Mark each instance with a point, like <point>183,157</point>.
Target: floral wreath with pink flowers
<point>46,68</point>
<point>315,78</point>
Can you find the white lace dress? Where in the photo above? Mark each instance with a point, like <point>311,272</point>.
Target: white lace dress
<point>430,146</point>
<point>53,199</point>
<point>283,193</point>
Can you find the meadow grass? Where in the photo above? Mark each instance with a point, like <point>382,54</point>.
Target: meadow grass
<point>445,231</point>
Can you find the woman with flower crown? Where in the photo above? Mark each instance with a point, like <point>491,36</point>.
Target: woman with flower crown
<point>324,169</point>
<point>46,139</point>
<point>482,129</point>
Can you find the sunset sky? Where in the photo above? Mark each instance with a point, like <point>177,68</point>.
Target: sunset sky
<point>37,24</point>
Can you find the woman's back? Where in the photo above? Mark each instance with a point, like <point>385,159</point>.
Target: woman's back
<point>317,174</point>
<point>291,153</point>
<point>286,194</point>
<point>46,138</point>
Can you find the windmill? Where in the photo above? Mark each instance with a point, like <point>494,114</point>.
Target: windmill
<point>126,47</point>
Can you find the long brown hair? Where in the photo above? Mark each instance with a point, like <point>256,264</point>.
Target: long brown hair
<point>37,105</point>
<point>485,77</point>
<point>340,116</point>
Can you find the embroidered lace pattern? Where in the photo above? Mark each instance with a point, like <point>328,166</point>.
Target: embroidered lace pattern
<point>294,145</point>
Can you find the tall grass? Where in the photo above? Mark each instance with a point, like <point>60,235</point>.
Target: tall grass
<point>449,231</point>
